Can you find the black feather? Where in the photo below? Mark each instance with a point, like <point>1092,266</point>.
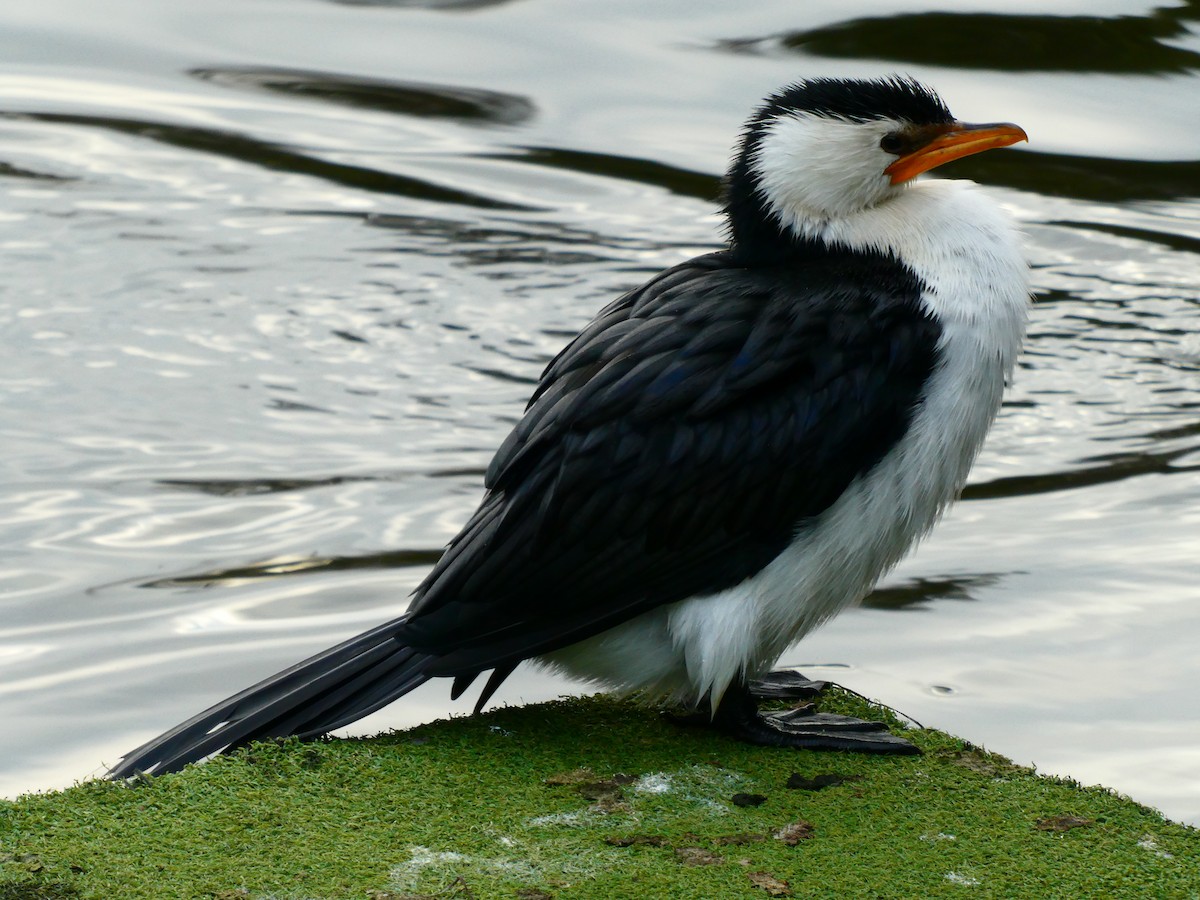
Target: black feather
<point>859,100</point>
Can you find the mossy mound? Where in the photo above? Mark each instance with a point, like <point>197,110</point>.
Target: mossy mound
<point>586,798</point>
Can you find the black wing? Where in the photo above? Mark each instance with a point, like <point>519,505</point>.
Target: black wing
<point>675,447</point>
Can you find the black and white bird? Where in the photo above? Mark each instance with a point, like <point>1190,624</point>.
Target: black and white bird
<point>728,455</point>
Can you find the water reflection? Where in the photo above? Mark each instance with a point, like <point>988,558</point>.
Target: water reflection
<point>685,183</point>
<point>501,242</point>
<point>445,5</point>
<point>1096,178</point>
<point>235,487</point>
<point>274,157</point>
<point>390,559</point>
<point>1004,42</point>
<point>1116,467</point>
<point>1173,240</point>
<point>920,592</point>
<point>432,101</point>
<point>10,171</point>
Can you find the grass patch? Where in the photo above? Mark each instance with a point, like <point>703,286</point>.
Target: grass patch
<point>590,798</point>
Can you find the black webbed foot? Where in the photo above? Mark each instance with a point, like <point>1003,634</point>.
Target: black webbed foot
<point>803,728</point>
<point>786,684</point>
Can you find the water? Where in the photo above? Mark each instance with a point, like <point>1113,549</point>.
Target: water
<point>277,279</point>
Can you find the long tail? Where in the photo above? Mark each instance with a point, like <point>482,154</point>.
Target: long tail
<point>322,693</point>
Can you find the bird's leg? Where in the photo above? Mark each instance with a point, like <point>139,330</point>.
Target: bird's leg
<point>738,716</point>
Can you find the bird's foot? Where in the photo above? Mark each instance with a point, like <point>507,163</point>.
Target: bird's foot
<point>786,684</point>
<point>803,727</point>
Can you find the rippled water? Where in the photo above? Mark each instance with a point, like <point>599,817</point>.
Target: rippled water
<point>277,279</point>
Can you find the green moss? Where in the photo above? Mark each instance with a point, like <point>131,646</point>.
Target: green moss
<point>589,798</point>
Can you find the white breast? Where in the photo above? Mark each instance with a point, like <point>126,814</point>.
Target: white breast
<point>965,250</point>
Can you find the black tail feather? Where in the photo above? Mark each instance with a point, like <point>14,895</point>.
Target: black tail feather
<point>324,692</point>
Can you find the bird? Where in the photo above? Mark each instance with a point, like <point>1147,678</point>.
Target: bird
<point>724,457</point>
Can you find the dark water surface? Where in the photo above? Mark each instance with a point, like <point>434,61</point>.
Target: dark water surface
<point>278,277</point>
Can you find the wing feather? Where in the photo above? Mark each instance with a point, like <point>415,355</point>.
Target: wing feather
<point>676,446</point>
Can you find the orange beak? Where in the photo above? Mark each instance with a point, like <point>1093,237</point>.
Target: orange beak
<point>954,141</point>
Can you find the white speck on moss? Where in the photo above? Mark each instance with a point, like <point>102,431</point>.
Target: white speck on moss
<point>438,867</point>
<point>940,836</point>
<point>704,786</point>
<point>429,871</point>
<point>654,783</point>
<point>1148,843</point>
<point>572,819</point>
<point>423,856</point>
<point>966,880</point>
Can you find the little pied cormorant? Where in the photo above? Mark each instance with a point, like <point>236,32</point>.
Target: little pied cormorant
<point>726,456</point>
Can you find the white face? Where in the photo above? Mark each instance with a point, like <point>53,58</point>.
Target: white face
<point>813,168</point>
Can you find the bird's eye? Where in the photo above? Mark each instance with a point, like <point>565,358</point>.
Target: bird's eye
<point>891,143</point>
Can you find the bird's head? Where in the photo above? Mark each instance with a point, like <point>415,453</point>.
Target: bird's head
<point>826,148</point>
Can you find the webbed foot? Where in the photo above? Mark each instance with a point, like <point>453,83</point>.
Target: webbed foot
<point>803,728</point>
<point>786,684</point>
